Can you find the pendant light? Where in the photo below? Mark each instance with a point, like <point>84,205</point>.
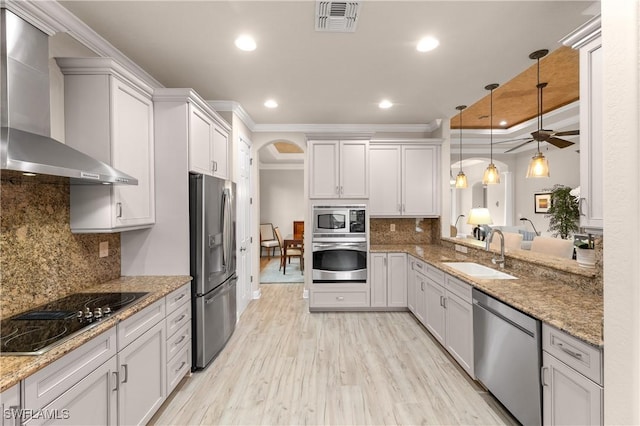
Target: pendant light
<point>539,166</point>
<point>491,174</point>
<point>461,179</point>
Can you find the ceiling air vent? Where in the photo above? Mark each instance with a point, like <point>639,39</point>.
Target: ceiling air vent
<point>337,16</point>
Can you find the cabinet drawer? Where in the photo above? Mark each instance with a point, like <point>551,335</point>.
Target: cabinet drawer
<point>338,299</point>
<point>52,381</point>
<point>177,298</point>
<point>135,326</point>
<point>434,273</point>
<point>178,319</point>
<point>178,340</point>
<point>577,354</point>
<point>178,367</point>
<point>459,288</point>
<point>419,265</point>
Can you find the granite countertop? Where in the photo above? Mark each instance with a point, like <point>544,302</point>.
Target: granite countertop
<point>565,307</point>
<point>15,368</point>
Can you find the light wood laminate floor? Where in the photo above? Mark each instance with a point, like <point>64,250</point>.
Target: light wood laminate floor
<point>286,366</point>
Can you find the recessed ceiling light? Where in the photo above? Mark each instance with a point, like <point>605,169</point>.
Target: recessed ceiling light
<point>385,104</point>
<point>246,43</point>
<point>271,104</point>
<point>427,43</point>
<point>503,123</point>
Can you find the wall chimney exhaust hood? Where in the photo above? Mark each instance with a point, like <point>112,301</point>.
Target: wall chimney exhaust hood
<point>25,121</point>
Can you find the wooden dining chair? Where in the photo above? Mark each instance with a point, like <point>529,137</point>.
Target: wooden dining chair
<point>292,251</point>
<point>267,239</point>
<point>298,229</point>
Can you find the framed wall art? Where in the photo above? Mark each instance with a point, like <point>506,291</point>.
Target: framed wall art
<point>542,202</point>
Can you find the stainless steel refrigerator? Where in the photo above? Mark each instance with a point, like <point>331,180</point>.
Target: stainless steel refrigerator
<point>213,265</point>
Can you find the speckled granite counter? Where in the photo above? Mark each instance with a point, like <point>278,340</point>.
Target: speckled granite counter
<point>15,368</point>
<point>555,302</point>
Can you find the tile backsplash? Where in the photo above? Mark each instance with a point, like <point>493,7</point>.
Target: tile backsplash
<point>407,231</point>
<point>40,258</point>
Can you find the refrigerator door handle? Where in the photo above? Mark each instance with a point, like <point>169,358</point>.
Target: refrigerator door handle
<point>226,229</point>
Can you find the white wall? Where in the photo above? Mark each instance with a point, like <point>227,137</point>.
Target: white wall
<point>621,80</point>
<point>564,169</point>
<point>282,198</point>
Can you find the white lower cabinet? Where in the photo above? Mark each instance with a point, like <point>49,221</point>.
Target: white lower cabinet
<point>142,368</point>
<point>120,377</point>
<point>10,406</point>
<point>389,280</point>
<point>91,401</point>
<point>572,391</point>
<point>448,313</point>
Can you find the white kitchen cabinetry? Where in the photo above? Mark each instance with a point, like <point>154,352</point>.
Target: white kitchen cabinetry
<point>142,364</point>
<point>91,401</point>
<point>10,404</point>
<point>338,297</point>
<point>109,115</point>
<point>420,287</point>
<point>449,315</point>
<point>208,140</point>
<point>388,280</point>
<point>571,380</point>
<point>84,382</point>
<point>404,180</point>
<point>339,169</point>
<point>178,306</point>
<point>591,143</point>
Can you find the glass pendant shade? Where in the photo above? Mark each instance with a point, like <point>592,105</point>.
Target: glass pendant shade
<point>461,180</point>
<point>538,166</point>
<point>491,175</point>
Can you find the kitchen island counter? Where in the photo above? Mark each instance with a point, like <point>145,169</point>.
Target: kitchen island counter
<point>553,301</point>
<point>16,368</point>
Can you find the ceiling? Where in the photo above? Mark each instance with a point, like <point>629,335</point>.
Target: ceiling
<point>339,78</point>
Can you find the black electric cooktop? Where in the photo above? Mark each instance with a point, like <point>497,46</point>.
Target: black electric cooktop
<point>36,331</point>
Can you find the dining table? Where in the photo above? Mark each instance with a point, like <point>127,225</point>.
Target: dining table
<point>294,241</point>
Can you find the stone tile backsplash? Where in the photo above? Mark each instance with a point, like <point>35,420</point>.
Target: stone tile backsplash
<point>40,258</point>
<point>407,231</point>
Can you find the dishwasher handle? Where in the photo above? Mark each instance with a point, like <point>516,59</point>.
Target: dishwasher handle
<point>480,305</point>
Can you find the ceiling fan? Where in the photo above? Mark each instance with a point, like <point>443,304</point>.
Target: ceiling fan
<point>543,135</point>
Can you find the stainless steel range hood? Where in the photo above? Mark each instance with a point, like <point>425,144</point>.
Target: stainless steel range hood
<point>25,121</point>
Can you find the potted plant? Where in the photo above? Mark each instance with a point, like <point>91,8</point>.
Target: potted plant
<point>563,213</point>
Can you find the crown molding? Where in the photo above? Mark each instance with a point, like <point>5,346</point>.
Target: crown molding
<point>237,109</point>
<point>51,17</point>
<point>349,128</point>
<point>583,34</point>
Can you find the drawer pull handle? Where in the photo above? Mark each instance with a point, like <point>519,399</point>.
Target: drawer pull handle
<point>418,265</point>
<point>576,355</point>
<point>179,297</point>
<point>125,375</point>
<point>181,365</point>
<point>180,319</point>
<point>542,370</point>
<point>340,298</point>
<point>115,376</point>
<point>180,341</point>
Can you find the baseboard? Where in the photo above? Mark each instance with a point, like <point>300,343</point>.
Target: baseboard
<point>256,294</point>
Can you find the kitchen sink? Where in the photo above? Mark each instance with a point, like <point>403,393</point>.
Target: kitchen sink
<point>476,270</point>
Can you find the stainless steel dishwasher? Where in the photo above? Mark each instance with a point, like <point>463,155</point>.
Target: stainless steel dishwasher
<point>507,356</point>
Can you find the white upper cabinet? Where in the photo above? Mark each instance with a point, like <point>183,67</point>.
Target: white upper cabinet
<point>208,137</point>
<point>591,176</point>
<point>405,180</point>
<point>109,115</point>
<point>339,169</point>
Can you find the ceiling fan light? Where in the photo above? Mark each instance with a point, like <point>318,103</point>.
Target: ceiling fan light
<point>461,180</point>
<point>491,175</point>
<point>538,166</point>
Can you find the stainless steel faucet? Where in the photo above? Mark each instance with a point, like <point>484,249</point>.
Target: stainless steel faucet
<point>500,260</point>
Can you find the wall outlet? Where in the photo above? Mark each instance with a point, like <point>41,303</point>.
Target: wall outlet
<point>392,227</point>
<point>104,249</point>
<point>461,249</point>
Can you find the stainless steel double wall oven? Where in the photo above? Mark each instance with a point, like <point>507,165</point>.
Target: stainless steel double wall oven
<point>339,243</point>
